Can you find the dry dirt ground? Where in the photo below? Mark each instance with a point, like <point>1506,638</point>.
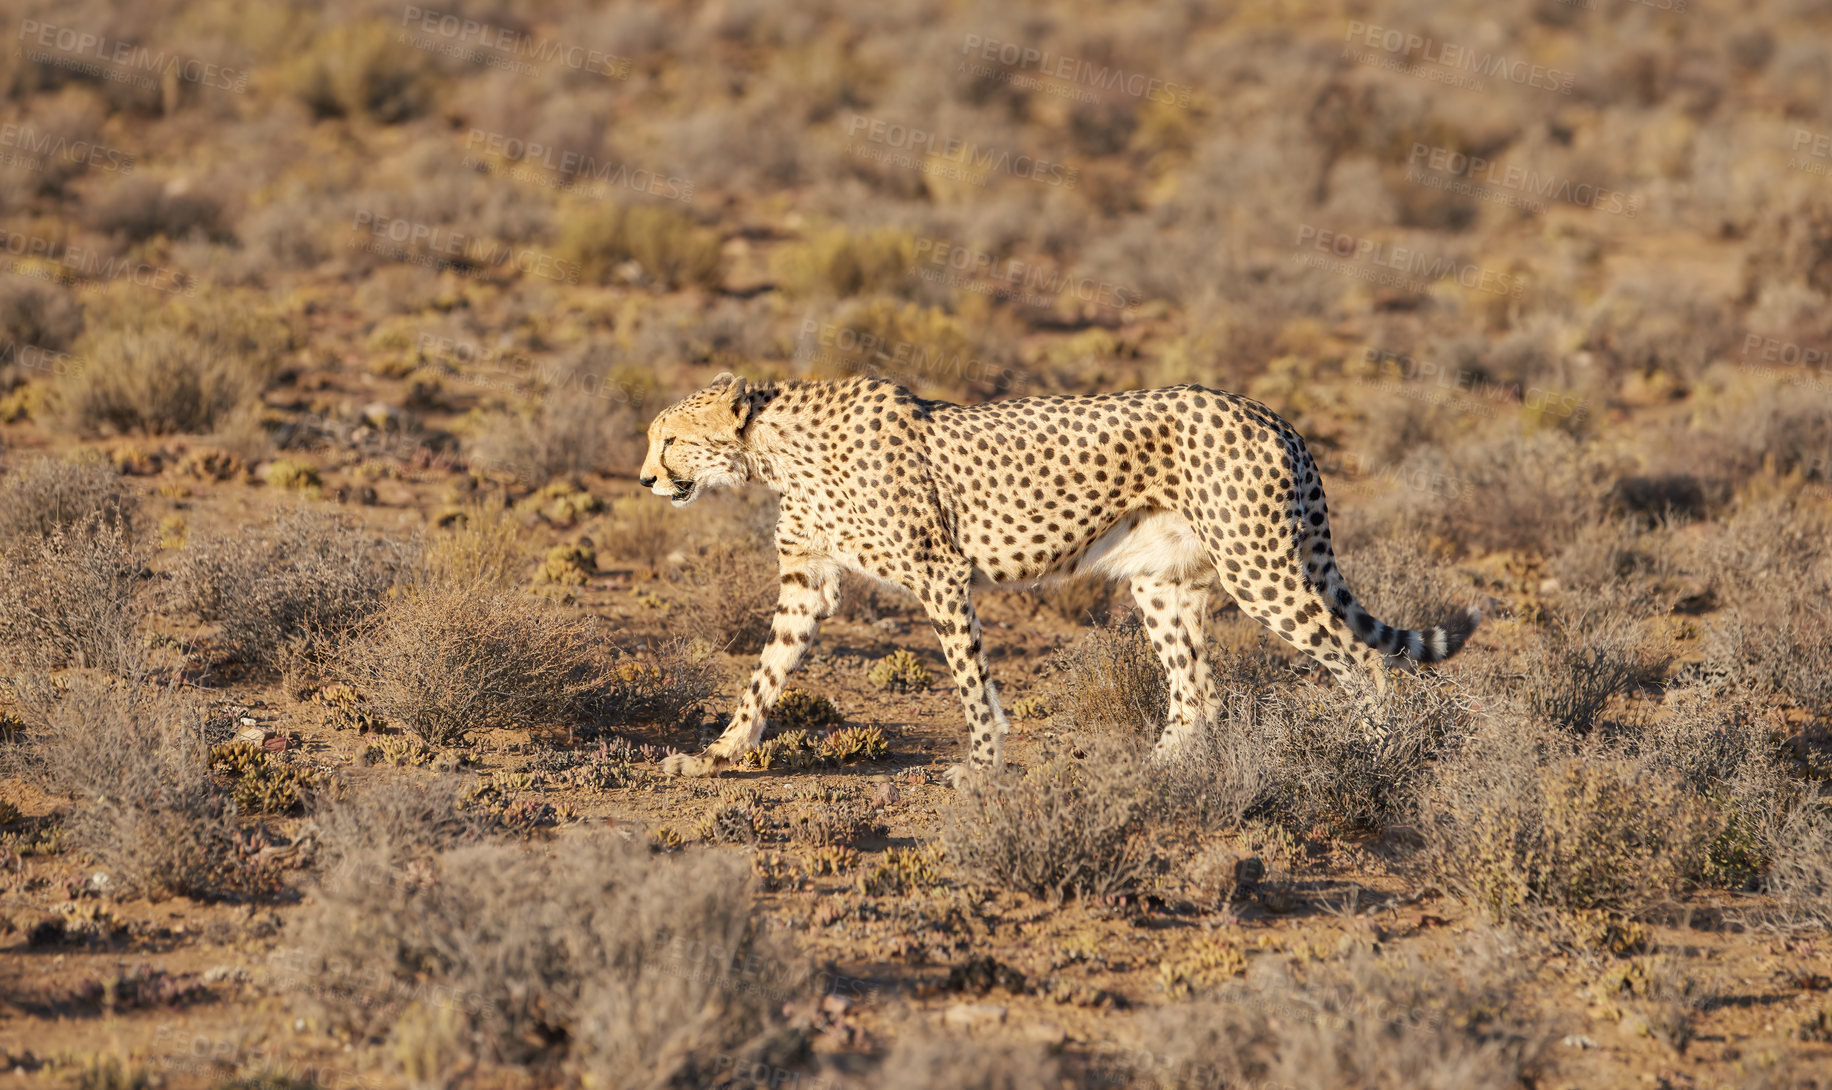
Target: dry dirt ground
<point>327,339</point>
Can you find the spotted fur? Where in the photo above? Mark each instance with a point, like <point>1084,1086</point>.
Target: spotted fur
<point>1171,490</point>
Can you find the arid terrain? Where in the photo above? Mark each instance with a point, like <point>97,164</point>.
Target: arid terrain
<point>340,649</point>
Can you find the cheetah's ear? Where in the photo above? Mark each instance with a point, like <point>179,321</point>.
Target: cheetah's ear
<point>722,378</point>
<point>740,402</point>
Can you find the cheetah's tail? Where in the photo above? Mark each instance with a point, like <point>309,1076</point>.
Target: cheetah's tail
<point>1429,645</point>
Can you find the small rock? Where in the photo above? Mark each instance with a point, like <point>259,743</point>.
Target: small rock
<point>884,794</point>
<point>256,735</point>
<point>1578,1040</point>
<point>971,1015</point>
<point>1045,1033</point>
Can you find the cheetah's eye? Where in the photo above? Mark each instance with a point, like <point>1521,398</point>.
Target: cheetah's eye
<point>667,441</point>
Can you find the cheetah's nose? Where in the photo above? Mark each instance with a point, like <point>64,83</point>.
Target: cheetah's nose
<point>647,482</point>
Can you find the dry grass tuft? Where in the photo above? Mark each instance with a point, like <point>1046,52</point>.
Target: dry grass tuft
<point>669,248</point>
<point>1110,681</point>
<point>1371,1021</point>
<point>157,381</point>
<point>149,810</point>
<point>484,549</point>
<point>43,495</point>
<point>1528,827</point>
<point>731,593</point>
<point>627,968</point>
<point>560,437</point>
<point>1065,826</point>
<point>75,597</point>
<point>283,597</point>
<point>445,661</point>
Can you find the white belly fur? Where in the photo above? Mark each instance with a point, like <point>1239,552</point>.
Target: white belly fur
<point>1156,543</point>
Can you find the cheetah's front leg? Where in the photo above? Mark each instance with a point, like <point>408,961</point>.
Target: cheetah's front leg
<point>949,603</point>
<point>810,594</point>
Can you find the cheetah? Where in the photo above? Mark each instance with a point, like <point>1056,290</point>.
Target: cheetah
<point>1172,490</point>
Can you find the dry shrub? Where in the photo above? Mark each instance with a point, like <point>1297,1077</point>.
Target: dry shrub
<point>839,262</point>
<point>1316,756</point>
<point>1800,874</point>
<point>1065,826</point>
<point>284,595</point>
<point>1110,681</point>
<point>188,367</point>
<point>1777,643</point>
<point>563,437</point>
<point>920,1061</point>
<point>1779,429</point>
<point>1724,749</point>
<point>149,811</point>
<point>381,826</point>
<point>1585,660</point>
<point>629,970</point>
<point>1523,825</point>
<point>1227,772</point>
<point>665,687</point>
<point>1357,764</point>
<point>443,661</point>
<point>1372,1021</point>
<point>640,529</point>
<point>360,70</point>
<point>1529,492</point>
<point>75,598</point>
<point>44,495</point>
<point>37,316</point>
<point>157,382</point>
<point>731,592</point>
<point>670,248</point>
<point>484,549</point>
<point>138,208</point>
<point>1400,578</point>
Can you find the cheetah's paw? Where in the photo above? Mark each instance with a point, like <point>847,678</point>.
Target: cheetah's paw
<point>694,765</point>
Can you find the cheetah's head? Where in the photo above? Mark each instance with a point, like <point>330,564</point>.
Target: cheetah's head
<point>698,441</point>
